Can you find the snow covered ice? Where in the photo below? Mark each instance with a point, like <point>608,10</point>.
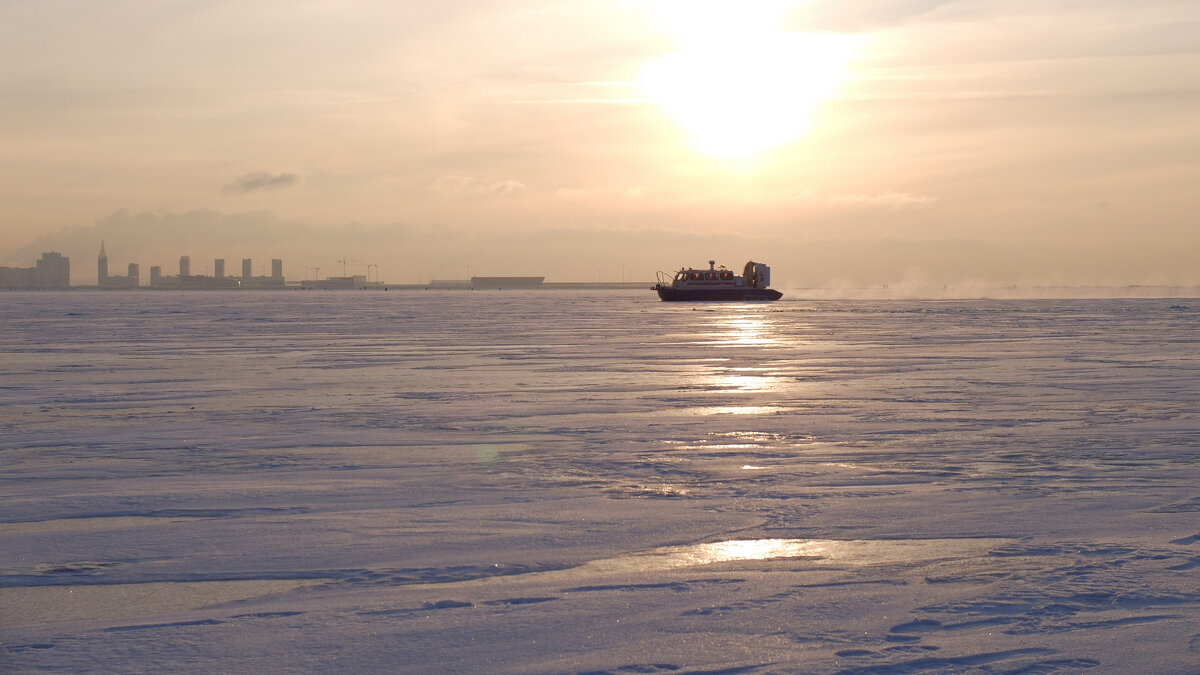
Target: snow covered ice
<point>577,481</point>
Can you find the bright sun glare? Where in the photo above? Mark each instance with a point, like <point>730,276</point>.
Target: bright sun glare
<point>740,84</point>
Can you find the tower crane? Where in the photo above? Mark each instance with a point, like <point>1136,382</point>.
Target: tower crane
<point>347,260</point>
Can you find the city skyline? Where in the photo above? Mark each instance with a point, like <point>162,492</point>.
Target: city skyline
<point>53,270</point>
<point>186,279</point>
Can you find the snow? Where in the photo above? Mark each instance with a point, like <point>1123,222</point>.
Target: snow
<point>596,481</point>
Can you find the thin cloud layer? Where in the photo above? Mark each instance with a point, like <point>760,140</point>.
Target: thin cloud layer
<point>260,180</point>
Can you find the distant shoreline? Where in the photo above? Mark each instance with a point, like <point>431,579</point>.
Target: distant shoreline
<point>863,293</point>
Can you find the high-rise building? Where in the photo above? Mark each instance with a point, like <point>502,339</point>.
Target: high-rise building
<point>102,267</point>
<point>53,271</point>
<point>134,275</point>
<point>185,266</point>
<point>247,268</point>
<point>219,268</point>
<point>277,268</point>
<point>155,275</point>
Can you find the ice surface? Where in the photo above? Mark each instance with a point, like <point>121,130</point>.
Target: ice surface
<point>549,481</point>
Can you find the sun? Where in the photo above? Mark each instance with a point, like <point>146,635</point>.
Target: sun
<point>739,84</point>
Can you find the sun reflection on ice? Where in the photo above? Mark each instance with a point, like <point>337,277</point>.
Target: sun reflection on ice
<point>746,331</point>
<point>814,552</point>
<point>743,329</point>
<point>672,557</point>
<point>705,411</point>
<point>743,382</point>
<point>817,551</point>
<point>750,549</point>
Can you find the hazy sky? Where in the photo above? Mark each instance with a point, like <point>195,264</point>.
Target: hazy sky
<point>866,142</point>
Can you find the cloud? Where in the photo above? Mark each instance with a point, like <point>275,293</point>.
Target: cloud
<point>831,15</point>
<point>599,193</point>
<point>458,186</point>
<point>894,200</point>
<point>887,200</point>
<point>260,180</point>
<point>576,193</point>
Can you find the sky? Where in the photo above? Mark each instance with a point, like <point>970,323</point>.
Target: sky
<point>864,143</point>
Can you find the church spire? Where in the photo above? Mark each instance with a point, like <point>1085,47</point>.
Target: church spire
<point>102,267</point>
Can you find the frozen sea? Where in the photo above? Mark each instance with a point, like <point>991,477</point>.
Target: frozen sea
<point>596,481</point>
